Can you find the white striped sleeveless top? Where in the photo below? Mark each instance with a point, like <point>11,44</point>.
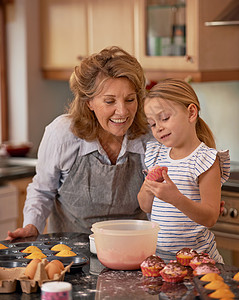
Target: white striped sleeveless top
<point>176,229</point>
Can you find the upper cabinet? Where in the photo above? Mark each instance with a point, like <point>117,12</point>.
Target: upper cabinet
<point>169,37</point>
<point>72,29</point>
<point>174,41</point>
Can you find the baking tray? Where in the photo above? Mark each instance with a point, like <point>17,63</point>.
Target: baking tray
<point>227,273</point>
<point>14,257</point>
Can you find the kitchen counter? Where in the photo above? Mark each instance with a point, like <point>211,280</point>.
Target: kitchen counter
<point>15,168</point>
<point>94,281</point>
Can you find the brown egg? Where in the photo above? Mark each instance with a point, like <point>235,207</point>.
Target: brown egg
<point>52,269</point>
<point>58,263</point>
<point>31,268</point>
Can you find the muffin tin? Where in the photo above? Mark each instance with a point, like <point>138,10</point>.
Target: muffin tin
<point>227,273</point>
<point>14,257</point>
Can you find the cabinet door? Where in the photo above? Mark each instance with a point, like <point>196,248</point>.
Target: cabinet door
<point>163,16</point>
<point>77,28</point>
<point>209,54</point>
<point>64,33</point>
<point>111,23</point>
<point>21,186</point>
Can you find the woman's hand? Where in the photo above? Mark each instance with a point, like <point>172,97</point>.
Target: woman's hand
<point>222,204</point>
<point>27,231</point>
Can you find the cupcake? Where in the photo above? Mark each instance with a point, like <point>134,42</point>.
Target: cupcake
<point>60,247</point>
<point>31,249</point>
<point>152,266</point>
<point>236,276</point>
<point>199,259</point>
<point>3,246</point>
<point>185,255</point>
<point>205,268</point>
<point>216,284</point>
<point>173,272</point>
<point>222,293</point>
<point>66,253</point>
<point>211,277</point>
<point>36,254</point>
<point>155,173</point>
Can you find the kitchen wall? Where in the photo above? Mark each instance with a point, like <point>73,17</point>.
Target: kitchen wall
<point>34,102</point>
<point>219,108</point>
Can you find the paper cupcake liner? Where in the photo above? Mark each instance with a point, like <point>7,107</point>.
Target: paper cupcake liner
<point>184,261</point>
<point>150,271</point>
<point>194,265</point>
<point>173,279</point>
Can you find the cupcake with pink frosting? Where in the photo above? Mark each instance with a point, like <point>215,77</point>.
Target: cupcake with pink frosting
<point>152,266</point>
<point>200,259</point>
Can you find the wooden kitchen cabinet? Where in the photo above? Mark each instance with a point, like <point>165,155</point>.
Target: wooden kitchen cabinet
<point>21,186</point>
<point>77,28</point>
<point>71,29</point>
<point>8,210</point>
<point>212,53</point>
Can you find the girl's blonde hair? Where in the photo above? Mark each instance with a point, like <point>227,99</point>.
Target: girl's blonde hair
<point>181,92</point>
<point>87,81</point>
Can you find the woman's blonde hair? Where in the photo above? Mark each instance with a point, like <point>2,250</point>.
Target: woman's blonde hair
<point>87,81</point>
<point>181,92</point>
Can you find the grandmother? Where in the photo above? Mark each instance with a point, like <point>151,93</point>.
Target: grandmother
<point>90,160</point>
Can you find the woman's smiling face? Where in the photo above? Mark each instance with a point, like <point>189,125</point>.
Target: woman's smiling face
<point>115,106</point>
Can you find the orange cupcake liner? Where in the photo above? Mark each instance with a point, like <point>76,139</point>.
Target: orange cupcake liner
<point>150,271</point>
<point>184,261</point>
<point>194,265</point>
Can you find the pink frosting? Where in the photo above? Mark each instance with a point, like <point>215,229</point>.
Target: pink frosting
<point>173,268</point>
<point>153,260</point>
<point>205,268</point>
<point>202,258</point>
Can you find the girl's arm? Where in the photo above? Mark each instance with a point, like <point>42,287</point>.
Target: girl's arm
<point>207,211</point>
<point>145,197</point>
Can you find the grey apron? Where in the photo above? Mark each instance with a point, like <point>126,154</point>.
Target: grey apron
<point>94,192</point>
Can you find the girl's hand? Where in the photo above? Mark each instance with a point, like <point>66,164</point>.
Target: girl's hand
<point>166,191</point>
<point>27,231</point>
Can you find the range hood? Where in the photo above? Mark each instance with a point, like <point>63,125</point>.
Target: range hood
<point>229,16</point>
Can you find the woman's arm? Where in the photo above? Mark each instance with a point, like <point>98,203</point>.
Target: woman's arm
<point>207,211</point>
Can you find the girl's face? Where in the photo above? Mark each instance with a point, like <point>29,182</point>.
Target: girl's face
<point>170,122</point>
<point>115,106</point>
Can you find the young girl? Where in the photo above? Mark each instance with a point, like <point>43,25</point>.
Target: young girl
<point>188,201</point>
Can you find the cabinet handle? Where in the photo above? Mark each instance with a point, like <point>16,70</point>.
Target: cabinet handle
<point>189,58</point>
